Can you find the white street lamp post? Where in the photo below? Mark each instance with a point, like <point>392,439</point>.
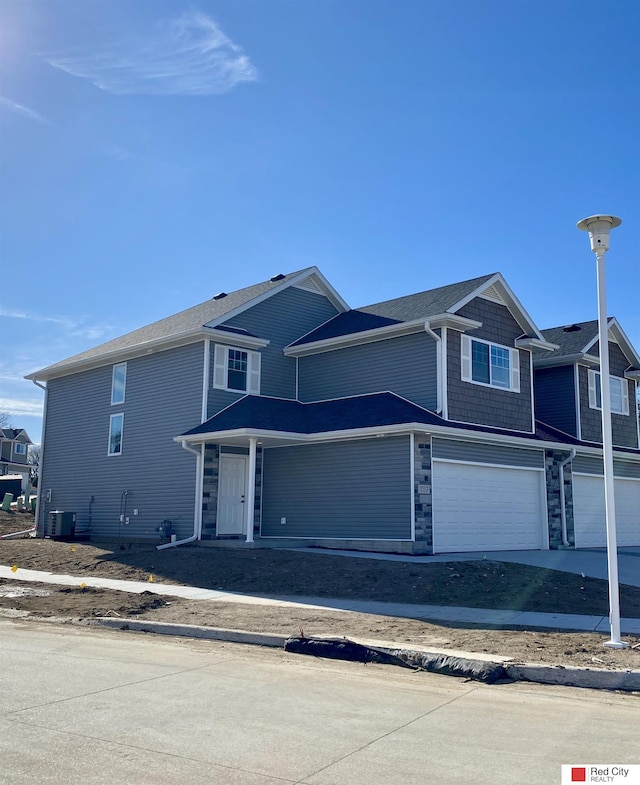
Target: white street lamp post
<point>599,227</point>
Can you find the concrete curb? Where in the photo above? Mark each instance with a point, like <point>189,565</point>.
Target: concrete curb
<point>460,664</point>
<point>191,631</point>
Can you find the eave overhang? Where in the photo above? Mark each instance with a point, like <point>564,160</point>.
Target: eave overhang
<point>271,438</point>
<point>567,359</point>
<point>535,343</point>
<point>150,347</point>
<point>382,334</point>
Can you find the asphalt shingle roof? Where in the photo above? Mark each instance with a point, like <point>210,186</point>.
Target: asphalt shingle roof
<point>569,339</point>
<point>189,319</point>
<point>362,411</point>
<point>401,309</point>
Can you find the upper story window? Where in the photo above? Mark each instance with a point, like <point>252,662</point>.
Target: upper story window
<point>19,448</point>
<point>237,370</point>
<point>118,383</point>
<point>619,391</point>
<point>116,429</point>
<point>490,364</point>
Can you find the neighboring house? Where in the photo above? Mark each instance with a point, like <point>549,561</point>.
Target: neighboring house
<point>568,397</point>
<point>14,451</point>
<point>409,425</point>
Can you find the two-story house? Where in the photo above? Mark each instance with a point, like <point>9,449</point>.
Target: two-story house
<point>277,414</point>
<point>14,462</point>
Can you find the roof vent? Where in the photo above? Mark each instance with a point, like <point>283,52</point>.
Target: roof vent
<point>572,328</point>
<point>278,277</point>
<point>219,296</point>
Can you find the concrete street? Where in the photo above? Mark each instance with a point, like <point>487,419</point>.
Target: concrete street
<point>85,707</point>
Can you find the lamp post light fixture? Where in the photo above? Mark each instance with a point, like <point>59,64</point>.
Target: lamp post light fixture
<point>599,227</point>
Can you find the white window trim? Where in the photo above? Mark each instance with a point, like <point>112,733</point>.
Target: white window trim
<point>113,384</point>
<point>221,369</point>
<point>592,393</point>
<point>111,419</point>
<point>17,451</point>
<point>467,365</point>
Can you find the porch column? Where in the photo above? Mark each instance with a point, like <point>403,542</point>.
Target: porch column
<point>251,487</point>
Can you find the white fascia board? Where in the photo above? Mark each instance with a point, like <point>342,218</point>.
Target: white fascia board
<point>535,343</point>
<point>633,374</point>
<point>621,339</point>
<point>143,349</point>
<point>391,430</point>
<point>567,359</point>
<point>355,339</point>
<point>452,321</point>
<point>331,293</point>
<point>235,339</point>
<point>513,303</point>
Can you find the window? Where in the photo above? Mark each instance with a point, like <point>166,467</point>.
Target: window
<point>118,383</point>
<point>116,425</point>
<point>236,370</point>
<point>20,449</point>
<point>490,364</point>
<point>619,392</point>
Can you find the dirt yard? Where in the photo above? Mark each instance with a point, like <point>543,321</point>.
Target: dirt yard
<point>319,574</point>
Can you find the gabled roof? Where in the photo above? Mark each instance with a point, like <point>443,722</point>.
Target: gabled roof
<point>577,340</point>
<point>192,322</point>
<point>422,306</point>
<point>12,434</point>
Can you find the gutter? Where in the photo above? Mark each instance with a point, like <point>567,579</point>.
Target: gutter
<point>563,510</point>
<point>197,518</point>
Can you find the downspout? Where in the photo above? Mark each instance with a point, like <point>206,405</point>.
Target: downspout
<point>41,467</point>
<point>563,511</point>
<point>197,518</point>
<point>439,385</point>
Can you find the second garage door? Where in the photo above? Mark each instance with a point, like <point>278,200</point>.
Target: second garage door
<point>589,514</point>
<point>488,508</point>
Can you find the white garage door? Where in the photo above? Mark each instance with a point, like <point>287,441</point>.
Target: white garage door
<point>487,508</point>
<point>589,515</point>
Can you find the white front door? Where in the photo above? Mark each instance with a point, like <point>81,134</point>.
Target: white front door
<point>232,484</point>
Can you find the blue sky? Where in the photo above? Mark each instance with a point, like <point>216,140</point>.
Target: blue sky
<point>154,153</point>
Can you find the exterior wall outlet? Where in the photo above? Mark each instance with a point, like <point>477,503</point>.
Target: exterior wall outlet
<point>283,521</point>
<point>135,512</point>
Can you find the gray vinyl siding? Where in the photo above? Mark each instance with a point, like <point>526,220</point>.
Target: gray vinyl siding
<point>163,399</point>
<point>474,403</point>
<point>344,490</point>
<point>584,464</point>
<point>406,365</point>
<point>282,319</point>
<point>458,450</point>
<point>555,400</point>
<point>624,429</point>
<point>218,400</point>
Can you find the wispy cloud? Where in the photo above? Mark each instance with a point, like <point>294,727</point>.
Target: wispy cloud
<point>23,111</point>
<point>188,55</point>
<point>21,408</point>
<point>81,327</point>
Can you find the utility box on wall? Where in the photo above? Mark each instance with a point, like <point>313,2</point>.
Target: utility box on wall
<point>61,524</point>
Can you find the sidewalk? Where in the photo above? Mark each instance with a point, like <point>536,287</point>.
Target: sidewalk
<point>480,616</point>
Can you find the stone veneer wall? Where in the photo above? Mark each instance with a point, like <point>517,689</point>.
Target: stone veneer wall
<point>552,461</point>
<point>210,492</point>
<point>422,501</point>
